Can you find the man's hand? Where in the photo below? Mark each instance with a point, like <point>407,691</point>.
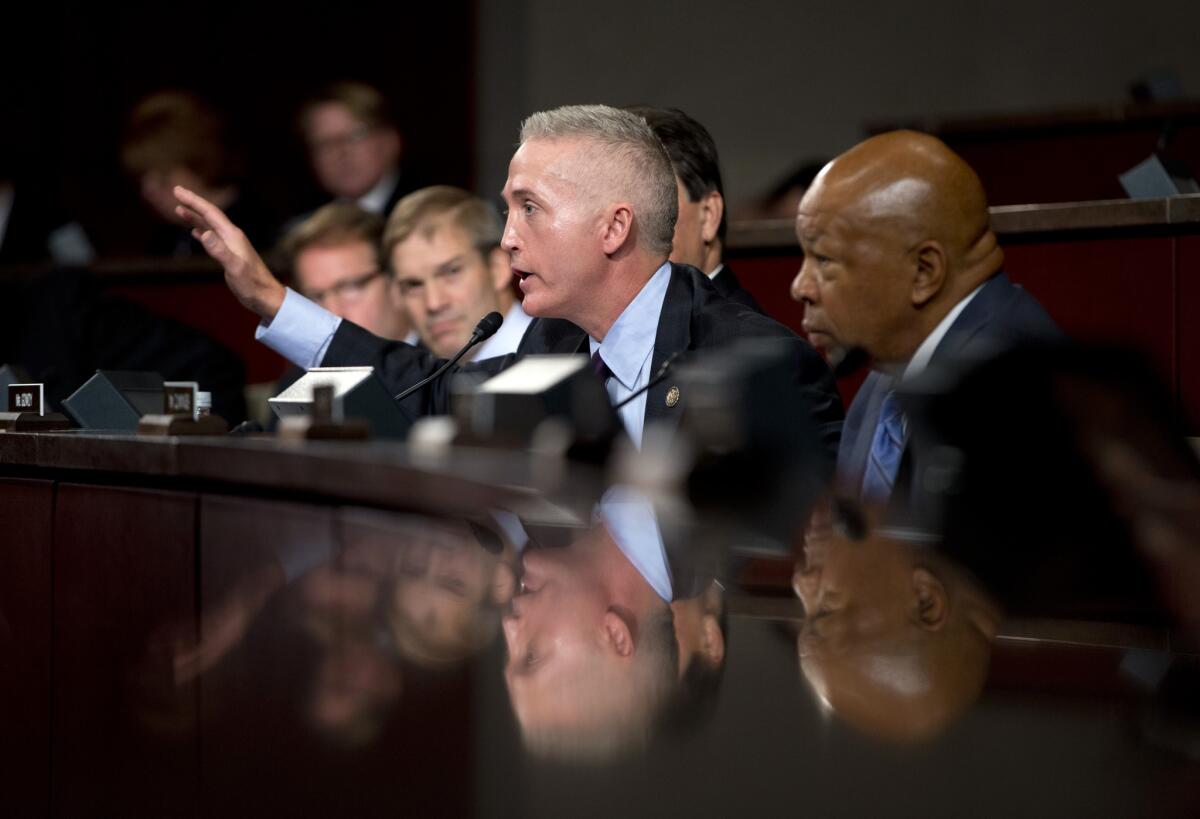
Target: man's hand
<point>245,273</point>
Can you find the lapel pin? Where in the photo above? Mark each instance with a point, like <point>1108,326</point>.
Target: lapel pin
<point>672,396</point>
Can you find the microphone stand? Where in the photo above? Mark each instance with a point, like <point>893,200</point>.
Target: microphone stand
<point>480,333</point>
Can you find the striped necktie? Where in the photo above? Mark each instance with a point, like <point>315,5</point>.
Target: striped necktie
<point>887,446</point>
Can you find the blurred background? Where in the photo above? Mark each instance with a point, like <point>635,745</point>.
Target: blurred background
<point>777,83</point>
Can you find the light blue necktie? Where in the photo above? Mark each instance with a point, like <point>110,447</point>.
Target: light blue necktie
<point>887,446</point>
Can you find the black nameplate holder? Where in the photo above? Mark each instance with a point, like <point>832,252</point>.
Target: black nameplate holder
<point>27,411</point>
<point>324,422</point>
<point>179,415</point>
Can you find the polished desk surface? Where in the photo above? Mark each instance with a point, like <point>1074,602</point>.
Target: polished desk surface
<point>377,473</point>
<point>280,666</point>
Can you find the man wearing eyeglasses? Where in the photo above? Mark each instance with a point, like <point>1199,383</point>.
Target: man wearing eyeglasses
<point>354,146</point>
<point>334,257</point>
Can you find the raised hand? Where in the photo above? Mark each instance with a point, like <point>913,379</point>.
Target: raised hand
<point>245,273</point>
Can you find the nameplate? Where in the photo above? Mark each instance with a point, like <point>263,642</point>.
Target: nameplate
<point>322,403</point>
<point>26,398</point>
<point>179,398</point>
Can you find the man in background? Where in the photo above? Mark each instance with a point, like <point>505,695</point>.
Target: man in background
<point>443,245</point>
<point>175,138</point>
<point>355,146</point>
<point>900,262</point>
<point>336,261</point>
<point>700,228</point>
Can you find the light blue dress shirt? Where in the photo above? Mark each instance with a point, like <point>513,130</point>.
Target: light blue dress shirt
<point>628,350</point>
<point>629,517</point>
<point>302,331</point>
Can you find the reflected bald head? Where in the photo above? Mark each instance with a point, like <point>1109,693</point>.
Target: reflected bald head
<point>914,186</point>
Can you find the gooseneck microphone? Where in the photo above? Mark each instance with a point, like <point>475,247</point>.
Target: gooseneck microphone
<point>485,329</point>
<point>659,375</point>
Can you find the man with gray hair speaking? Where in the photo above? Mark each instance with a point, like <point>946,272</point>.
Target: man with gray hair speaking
<point>592,205</point>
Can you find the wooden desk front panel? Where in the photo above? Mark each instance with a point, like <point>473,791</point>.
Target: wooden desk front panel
<point>26,526</point>
<point>255,555</point>
<point>124,735</point>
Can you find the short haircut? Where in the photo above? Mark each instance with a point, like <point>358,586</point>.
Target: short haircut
<point>619,728</point>
<point>648,178</point>
<point>424,211</point>
<point>692,150</point>
<point>365,103</point>
<point>176,129</point>
<point>335,224</point>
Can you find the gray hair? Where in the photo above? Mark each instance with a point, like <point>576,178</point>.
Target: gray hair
<point>648,180</point>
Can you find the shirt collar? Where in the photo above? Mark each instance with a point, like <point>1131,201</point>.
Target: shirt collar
<point>630,341</point>
<point>376,199</point>
<point>717,271</point>
<point>920,359</point>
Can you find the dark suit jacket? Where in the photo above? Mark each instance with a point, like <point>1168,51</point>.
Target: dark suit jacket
<point>1000,316</point>
<point>728,286</point>
<point>694,317</point>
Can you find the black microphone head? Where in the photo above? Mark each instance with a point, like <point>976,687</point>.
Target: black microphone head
<point>488,325</point>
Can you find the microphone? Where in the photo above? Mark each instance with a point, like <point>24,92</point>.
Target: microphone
<point>654,379</point>
<point>485,329</point>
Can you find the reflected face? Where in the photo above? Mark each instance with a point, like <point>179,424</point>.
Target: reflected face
<point>554,229</point>
<point>444,585</point>
<point>554,633</point>
<point>447,285</point>
<point>346,280</point>
<point>852,280</point>
<point>354,686</point>
<point>348,156</point>
<point>688,245</point>
<point>855,593</point>
<point>883,645</point>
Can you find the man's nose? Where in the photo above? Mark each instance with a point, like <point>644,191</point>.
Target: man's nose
<point>803,289</point>
<point>805,582</point>
<point>435,296</point>
<point>509,239</point>
<point>509,623</point>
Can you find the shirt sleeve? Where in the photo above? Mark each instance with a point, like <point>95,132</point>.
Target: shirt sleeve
<point>300,332</point>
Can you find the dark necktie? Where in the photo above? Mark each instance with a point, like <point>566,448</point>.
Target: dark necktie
<point>886,448</point>
<point>599,367</point>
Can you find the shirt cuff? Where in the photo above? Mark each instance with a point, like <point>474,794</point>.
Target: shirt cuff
<point>300,332</point>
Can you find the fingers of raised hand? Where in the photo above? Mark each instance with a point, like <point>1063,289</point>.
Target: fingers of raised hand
<point>200,208</point>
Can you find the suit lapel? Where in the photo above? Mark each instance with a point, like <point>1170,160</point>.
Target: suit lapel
<point>674,334</point>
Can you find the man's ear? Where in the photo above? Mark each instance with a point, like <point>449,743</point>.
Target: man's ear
<point>618,633</point>
<point>929,277</point>
<point>712,641</point>
<point>617,227</point>
<point>712,208</point>
<point>500,267</point>
<point>931,606</point>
